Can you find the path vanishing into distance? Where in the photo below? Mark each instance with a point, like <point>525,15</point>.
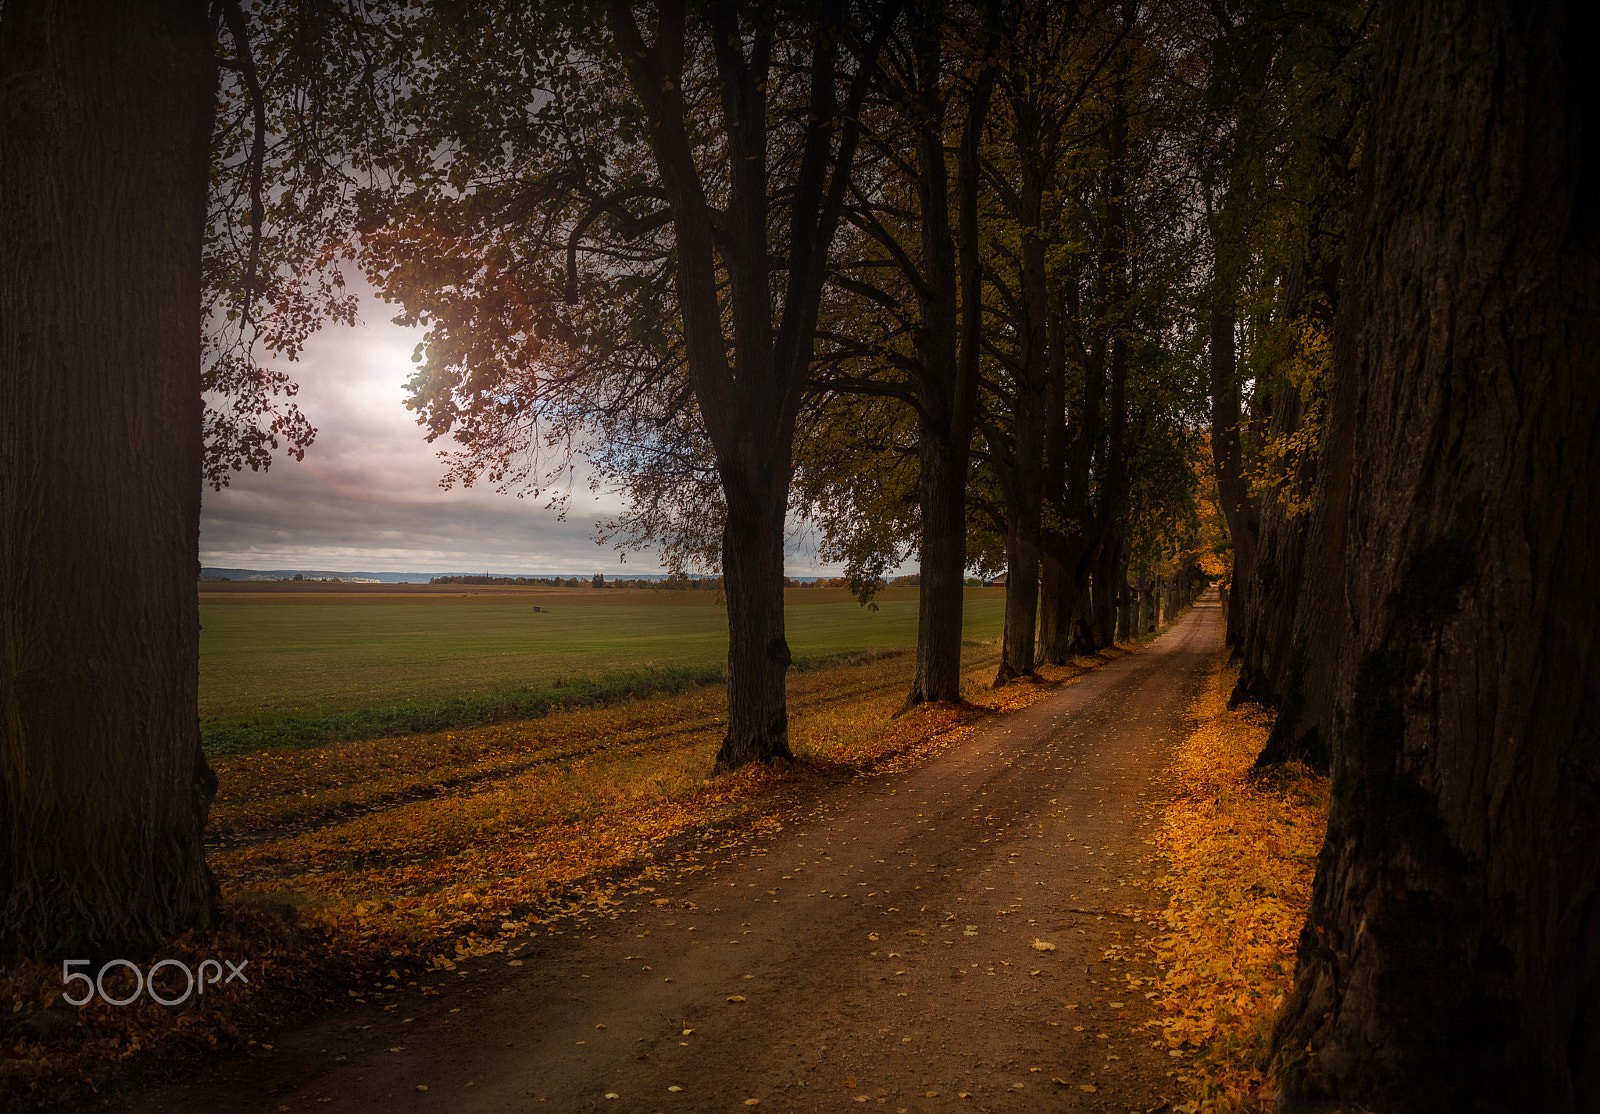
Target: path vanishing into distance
<point>875,949</point>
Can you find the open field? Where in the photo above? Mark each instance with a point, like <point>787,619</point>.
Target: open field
<point>267,650</point>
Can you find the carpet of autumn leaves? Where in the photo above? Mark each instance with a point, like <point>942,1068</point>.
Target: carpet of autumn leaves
<point>1241,853</point>
<point>348,868</point>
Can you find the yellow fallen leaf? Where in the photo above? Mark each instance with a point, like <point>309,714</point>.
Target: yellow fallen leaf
<point>736,997</point>
<point>849,1081</point>
<point>1043,946</point>
<point>1087,1087</point>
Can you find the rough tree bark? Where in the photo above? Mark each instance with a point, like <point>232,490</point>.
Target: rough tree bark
<point>1449,958</point>
<point>1227,453</point>
<point>951,312</point>
<point>1022,473</point>
<point>105,119</point>
<point>1070,537</point>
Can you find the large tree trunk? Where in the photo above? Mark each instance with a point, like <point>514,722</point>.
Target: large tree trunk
<point>1025,489</point>
<point>758,653</point>
<point>1103,603</point>
<point>1449,958</point>
<point>1070,536</point>
<point>951,311</point>
<point>1055,586</point>
<point>105,119</point>
<point>1227,453</point>
<point>1022,592</point>
<point>1126,598</point>
<point>943,567</point>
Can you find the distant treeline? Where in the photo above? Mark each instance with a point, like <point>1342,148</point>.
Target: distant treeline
<point>671,583</point>
<point>677,582</point>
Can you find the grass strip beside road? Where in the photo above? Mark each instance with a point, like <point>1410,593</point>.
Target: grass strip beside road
<point>457,712</point>
<point>446,712</point>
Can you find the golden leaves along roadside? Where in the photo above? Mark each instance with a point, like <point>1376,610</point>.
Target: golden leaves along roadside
<point>1242,855</point>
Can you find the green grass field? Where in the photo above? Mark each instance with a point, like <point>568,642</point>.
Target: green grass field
<point>273,651</point>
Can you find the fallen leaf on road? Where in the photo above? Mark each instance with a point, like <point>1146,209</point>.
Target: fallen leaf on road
<point>422,1086</point>
<point>1087,1087</point>
<point>913,932</point>
<point>612,1095</point>
<point>674,1088</point>
<point>872,936</point>
<point>736,997</point>
<point>1058,1079</point>
<point>849,1081</point>
<point>1043,946</point>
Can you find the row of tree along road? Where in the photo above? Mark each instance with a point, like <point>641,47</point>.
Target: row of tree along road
<point>1109,298</point>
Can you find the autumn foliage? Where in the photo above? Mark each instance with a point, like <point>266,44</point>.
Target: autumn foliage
<point>1242,853</point>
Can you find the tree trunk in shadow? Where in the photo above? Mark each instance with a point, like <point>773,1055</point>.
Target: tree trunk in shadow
<point>943,567</point>
<point>105,127</point>
<point>1448,961</point>
<point>951,310</point>
<point>758,653</point>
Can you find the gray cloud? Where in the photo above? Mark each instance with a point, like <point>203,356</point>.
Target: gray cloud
<point>367,495</point>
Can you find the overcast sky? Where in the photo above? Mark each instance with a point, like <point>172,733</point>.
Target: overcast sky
<point>367,497</point>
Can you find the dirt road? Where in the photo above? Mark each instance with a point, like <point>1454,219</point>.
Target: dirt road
<point>882,949</point>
